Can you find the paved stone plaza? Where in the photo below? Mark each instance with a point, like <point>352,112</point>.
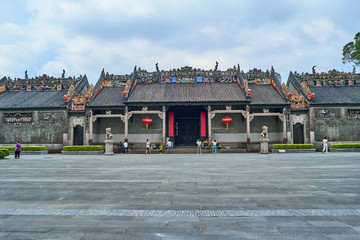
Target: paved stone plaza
<point>181,196</point>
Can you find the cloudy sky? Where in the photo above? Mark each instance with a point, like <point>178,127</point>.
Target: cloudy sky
<point>84,36</point>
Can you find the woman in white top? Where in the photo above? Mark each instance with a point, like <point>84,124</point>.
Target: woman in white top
<point>325,145</point>
<point>214,146</point>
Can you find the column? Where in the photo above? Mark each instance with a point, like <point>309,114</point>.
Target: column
<point>247,123</point>
<point>209,125</point>
<point>284,125</point>
<point>164,125</point>
<point>71,142</point>
<point>126,124</point>
<point>91,127</point>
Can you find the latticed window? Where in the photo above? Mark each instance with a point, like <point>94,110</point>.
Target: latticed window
<point>353,113</point>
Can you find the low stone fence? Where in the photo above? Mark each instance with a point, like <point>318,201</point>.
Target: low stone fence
<point>293,150</point>
<point>31,152</point>
<point>82,152</point>
<point>344,149</point>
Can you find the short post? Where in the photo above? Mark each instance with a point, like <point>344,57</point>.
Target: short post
<point>109,142</point>
<point>264,145</point>
<point>264,141</point>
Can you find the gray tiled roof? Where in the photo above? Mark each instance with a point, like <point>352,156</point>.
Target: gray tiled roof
<point>265,94</point>
<point>32,99</point>
<point>109,96</point>
<point>183,93</point>
<point>335,95</point>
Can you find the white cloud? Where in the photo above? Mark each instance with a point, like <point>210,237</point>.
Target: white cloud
<point>85,36</point>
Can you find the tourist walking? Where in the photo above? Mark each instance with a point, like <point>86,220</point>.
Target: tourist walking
<point>214,146</point>
<point>169,146</point>
<point>148,146</point>
<point>199,145</point>
<point>325,145</point>
<point>126,146</point>
<point>120,147</point>
<point>17,149</point>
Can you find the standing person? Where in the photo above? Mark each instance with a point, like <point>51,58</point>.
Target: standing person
<point>126,146</point>
<point>199,145</point>
<point>325,145</point>
<point>120,147</point>
<point>17,149</point>
<point>214,146</point>
<point>169,145</point>
<point>148,146</point>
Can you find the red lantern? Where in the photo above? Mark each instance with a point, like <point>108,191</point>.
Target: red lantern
<point>146,121</point>
<point>226,120</point>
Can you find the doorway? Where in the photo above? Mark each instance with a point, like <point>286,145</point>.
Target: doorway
<point>78,135</point>
<point>187,130</point>
<point>298,131</point>
<point>187,125</point>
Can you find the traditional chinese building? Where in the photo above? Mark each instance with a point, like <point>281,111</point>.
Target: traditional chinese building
<point>43,110</point>
<point>184,105</point>
<point>324,105</point>
<point>188,104</point>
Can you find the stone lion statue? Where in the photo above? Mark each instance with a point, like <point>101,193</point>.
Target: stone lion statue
<point>264,133</point>
<point>109,136</point>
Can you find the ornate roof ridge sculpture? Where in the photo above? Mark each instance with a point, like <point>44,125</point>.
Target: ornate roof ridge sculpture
<point>42,82</point>
<point>187,74</point>
<point>330,78</point>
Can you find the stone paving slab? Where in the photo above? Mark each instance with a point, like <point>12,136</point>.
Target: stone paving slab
<point>222,196</point>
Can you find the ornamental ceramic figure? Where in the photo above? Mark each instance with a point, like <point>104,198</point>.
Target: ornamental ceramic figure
<point>264,133</point>
<point>109,136</point>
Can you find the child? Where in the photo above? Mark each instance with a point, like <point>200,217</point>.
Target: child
<point>148,146</point>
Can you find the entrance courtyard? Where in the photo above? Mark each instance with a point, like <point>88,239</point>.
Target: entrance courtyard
<point>181,196</point>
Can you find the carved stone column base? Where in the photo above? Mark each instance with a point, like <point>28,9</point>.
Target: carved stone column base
<point>264,143</point>
<point>109,147</point>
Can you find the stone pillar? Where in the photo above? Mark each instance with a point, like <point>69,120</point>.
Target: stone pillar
<point>164,125</point>
<point>247,123</point>
<point>87,139</point>
<point>71,140</point>
<point>65,139</point>
<point>264,142</point>
<point>109,147</point>
<point>289,138</point>
<point>126,124</point>
<point>312,137</point>
<point>209,125</point>
<point>284,125</point>
<point>91,126</point>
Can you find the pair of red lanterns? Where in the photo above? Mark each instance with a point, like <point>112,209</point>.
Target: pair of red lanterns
<point>226,120</point>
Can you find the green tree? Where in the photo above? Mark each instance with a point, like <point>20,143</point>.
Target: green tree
<point>351,51</point>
